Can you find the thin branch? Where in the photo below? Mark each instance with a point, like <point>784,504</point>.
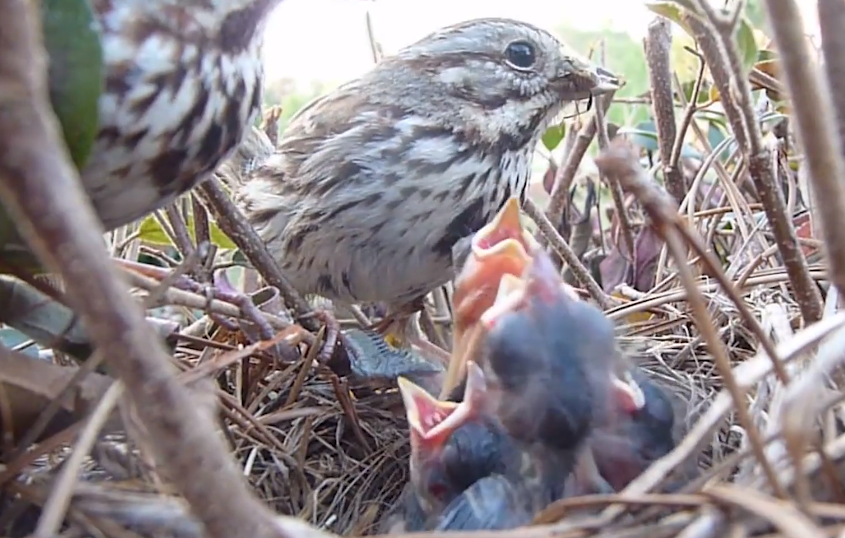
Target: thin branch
<point>812,102</point>
<point>689,111</point>
<point>43,194</point>
<point>180,229</point>
<point>566,173</point>
<point>657,45</point>
<point>234,224</point>
<point>616,192</point>
<point>735,92</point>
<point>566,252</point>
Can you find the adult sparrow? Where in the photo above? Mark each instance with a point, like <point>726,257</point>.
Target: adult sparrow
<point>183,83</point>
<point>373,184</point>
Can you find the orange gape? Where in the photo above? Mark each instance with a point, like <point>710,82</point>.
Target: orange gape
<point>500,248</point>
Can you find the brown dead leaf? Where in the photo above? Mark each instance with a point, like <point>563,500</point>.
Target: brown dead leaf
<point>28,385</point>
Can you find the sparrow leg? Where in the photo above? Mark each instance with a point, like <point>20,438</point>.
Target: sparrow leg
<point>373,361</point>
<point>333,335</point>
<point>400,328</point>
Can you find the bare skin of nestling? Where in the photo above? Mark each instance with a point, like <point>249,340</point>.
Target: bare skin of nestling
<point>183,83</point>
<point>499,248</point>
<point>372,185</point>
<point>639,433</point>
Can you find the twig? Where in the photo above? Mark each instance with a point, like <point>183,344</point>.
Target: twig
<point>180,229</point>
<point>375,48</point>
<point>565,251</point>
<point>566,173</point>
<point>689,111</point>
<point>62,491</point>
<point>717,45</point>
<point>831,22</point>
<point>617,194</point>
<point>657,46</point>
<point>202,228</point>
<point>176,296</point>
<point>234,224</point>
<point>621,160</point>
<point>812,103</point>
<point>43,194</point>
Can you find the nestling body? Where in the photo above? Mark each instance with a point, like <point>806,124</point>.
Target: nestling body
<point>183,82</point>
<point>638,436</point>
<point>373,184</point>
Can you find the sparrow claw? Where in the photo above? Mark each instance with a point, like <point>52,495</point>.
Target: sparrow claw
<point>400,329</point>
<point>332,335</point>
<point>373,360</point>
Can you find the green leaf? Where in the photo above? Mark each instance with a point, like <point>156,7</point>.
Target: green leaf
<point>76,70</point>
<point>715,136</point>
<point>688,88</point>
<point>151,232</point>
<point>766,55</point>
<point>553,136</point>
<point>684,64</point>
<point>674,10</point>
<point>643,135</point>
<point>747,45</point>
<point>240,258</point>
<point>670,10</point>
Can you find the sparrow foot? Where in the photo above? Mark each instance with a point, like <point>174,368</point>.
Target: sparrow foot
<point>374,361</point>
<point>401,329</point>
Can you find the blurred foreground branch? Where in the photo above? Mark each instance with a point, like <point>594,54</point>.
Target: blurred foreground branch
<point>43,194</point>
<point>812,103</point>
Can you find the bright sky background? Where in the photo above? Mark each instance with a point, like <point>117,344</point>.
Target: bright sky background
<point>327,39</point>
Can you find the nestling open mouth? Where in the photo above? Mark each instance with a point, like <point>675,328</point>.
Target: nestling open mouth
<point>431,420</point>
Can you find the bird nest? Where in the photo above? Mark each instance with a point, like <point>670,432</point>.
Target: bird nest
<point>316,446</point>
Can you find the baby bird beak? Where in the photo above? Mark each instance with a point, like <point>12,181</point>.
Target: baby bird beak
<point>432,421</point>
<point>500,248</point>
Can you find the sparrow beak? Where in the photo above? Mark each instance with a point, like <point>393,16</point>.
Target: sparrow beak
<point>580,78</point>
<point>503,246</point>
<point>505,225</point>
<point>606,81</point>
<point>477,285</point>
<point>432,421</point>
<point>510,298</point>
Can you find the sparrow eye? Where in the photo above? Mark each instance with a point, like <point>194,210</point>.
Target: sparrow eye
<point>520,54</point>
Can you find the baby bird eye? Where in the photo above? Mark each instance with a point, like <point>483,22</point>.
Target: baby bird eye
<point>520,54</point>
